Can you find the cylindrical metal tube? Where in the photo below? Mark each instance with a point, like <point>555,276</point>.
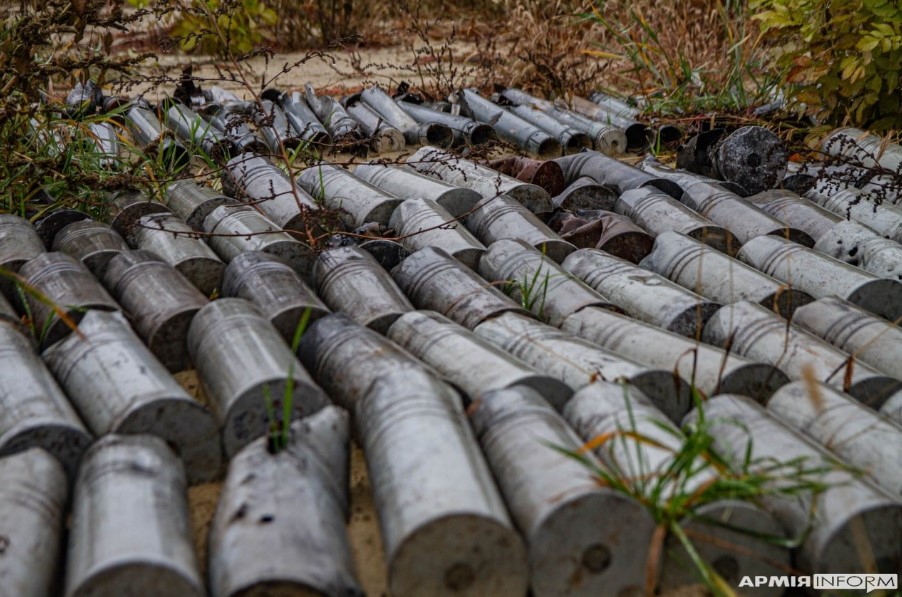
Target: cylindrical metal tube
<point>171,239</point>
<point>572,140</point>
<point>119,386</point>
<point>67,288</point>
<point>276,289</point>
<point>430,133</point>
<point>643,294</point>
<point>421,223</point>
<point>834,524</point>
<point>607,138</point>
<point>537,282</point>
<point>637,134</point>
<point>193,202</point>
<point>105,136</point>
<point>853,330</point>
<point>273,126</point>
<point>658,213</point>
<point>248,372</point>
<point>719,277</point>
<point>134,483</point>
<point>198,133</point>
<point>302,118</point>
<point>333,116</point>
<point>754,332</point>
<point>542,173</point>
<point>35,412</point>
<point>92,243</point>
<point>18,243</point>
<point>578,362</point>
<point>643,445</point>
<point>127,208</point>
<point>50,225</point>
<point>882,257</point>
<point>159,302</point>
<point>383,136</point>
<point>857,205</point>
<point>33,499</point>
<point>477,367</point>
<point>796,212</point>
<point>231,120</point>
<point>751,156</point>
<point>684,178</point>
<point>583,539</point>
<point>485,181</point>
<point>613,234</point>
<point>238,229</point>
<point>405,182</point>
<point>280,522</point>
<point>150,136</point>
<point>434,280</point>
<point>504,218</point>
<point>710,369</point>
<point>613,173</point>
<point>509,127</point>
<point>352,282</point>
<point>357,200</point>
<point>821,276</point>
<point>844,241</point>
<point>585,193</point>
<point>466,131</point>
<point>861,146</point>
<point>444,524</point>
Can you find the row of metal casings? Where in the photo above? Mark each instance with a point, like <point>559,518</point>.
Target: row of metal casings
<point>472,501</point>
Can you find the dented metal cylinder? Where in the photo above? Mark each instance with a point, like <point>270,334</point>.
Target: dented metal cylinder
<point>175,242</point>
<point>477,367</point>
<point>351,281</point>
<point>248,372</point>
<point>849,512</point>
<point>279,525</point>
<point>613,173</point>
<point>754,332</point>
<point>465,131</point>
<point>359,201</point>
<point>415,133</point>
<point>583,539</point>
<point>504,218</point>
<point>821,276</point>
<point>718,277</point>
<point>405,182</point>
<point>193,202</point>
<point>276,289</point>
<point>444,524</point>
<point>134,483</point>
<point>92,243</point>
<point>509,127</point>
<point>421,223</point>
<point>796,212</point>
<point>643,294</point>
<point>159,302</point>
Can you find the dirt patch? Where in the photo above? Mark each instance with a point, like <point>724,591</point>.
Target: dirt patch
<point>202,500</point>
<point>366,541</point>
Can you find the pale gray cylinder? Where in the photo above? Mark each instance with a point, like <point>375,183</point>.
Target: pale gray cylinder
<point>421,223</point>
<point>193,202</point>
<point>403,181</point>
<point>882,257</point>
<point>857,205</point>
<point>844,241</point>
<point>359,201</point>
<point>18,242</point>
<point>796,212</point>
<point>92,243</point>
<point>127,207</point>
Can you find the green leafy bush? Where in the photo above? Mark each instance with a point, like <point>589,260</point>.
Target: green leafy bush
<point>842,59</point>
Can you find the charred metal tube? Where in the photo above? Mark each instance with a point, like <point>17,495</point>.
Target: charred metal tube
<point>175,242</point>
<point>853,330</point>
<point>844,426</point>
<point>232,122</point>
<point>70,289</point>
<point>478,367</point>
<point>271,190</point>
<point>844,241</point>
<point>239,229</point>
<point>796,212</point>
<point>684,178</point>
<point>751,156</point>
<point>134,483</point>
<point>465,131</point>
<point>718,277</point>
<point>643,294</point>
<point>822,276</point>
<point>33,500</point>
<point>485,181</point>
<point>585,193</point>
<point>637,134</point>
<point>127,208</point>
<point>35,412</point>
<point>105,137</point>
<point>710,369</point>
<point>613,234</point>
<point>352,282</point>
<point>300,116</point>
<point>415,133</point>
<point>273,126</point>
<point>19,243</point>
<point>348,358</point>
<point>882,257</point>
<point>421,223</point>
<point>434,280</point>
<point>578,362</point>
<point>848,512</point>
<point>276,289</point>
<point>405,182</point>
<point>572,140</point>
<point>333,116</point>
<point>92,243</point>
<point>150,135</point>
<point>248,371</point>
<point>855,204</point>
<point>383,136</point>
<point>537,282</point>
<point>119,386</point>
<point>658,213</point>
<point>754,332</point>
<point>504,218</point>
<point>509,127</point>
<point>198,133</point>
<point>613,173</point>
<point>280,523</point>
<point>542,173</point>
<point>357,200</point>
<point>444,524</point>
<point>727,534</point>
<point>159,302</point>
<point>583,539</point>
<point>193,202</point>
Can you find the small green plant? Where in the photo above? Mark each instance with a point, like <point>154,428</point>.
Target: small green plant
<point>279,427</point>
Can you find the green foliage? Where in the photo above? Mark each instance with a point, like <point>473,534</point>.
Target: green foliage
<point>843,58</point>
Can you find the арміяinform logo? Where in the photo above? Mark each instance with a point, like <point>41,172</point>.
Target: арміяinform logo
<point>827,582</point>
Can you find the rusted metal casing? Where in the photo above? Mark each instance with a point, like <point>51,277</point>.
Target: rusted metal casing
<point>193,202</point>
<point>92,243</point>
<point>542,173</point>
<point>421,223</point>
<point>340,190</point>
<point>405,182</point>
<point>613,234</point>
